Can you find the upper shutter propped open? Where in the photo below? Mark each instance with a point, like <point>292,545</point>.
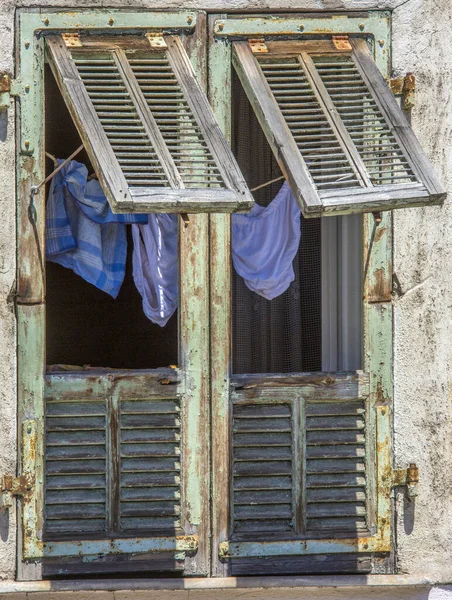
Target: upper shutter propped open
<point>337,132</point>
<point>146,124</point>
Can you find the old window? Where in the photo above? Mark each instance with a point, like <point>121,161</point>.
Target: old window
<point>146,124</point>
<point>220,447</point>
<point>339,136</point>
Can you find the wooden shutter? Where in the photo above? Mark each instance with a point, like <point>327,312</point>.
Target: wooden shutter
<point>338,134</point>
<point>147,125</point>
<point>113,457</point>
<point>303,473</point>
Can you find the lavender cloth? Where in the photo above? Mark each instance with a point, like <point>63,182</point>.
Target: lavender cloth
<point>265,242</point>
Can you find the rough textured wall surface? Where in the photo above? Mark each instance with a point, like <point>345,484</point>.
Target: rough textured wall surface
<point>422,32</point>
<point>422,37</point>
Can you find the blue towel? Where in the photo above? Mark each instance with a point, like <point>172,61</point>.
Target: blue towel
<point>82,233</point>
<point>265,243</point>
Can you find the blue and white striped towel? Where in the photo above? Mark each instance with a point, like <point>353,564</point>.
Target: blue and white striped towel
<point>82,233</point>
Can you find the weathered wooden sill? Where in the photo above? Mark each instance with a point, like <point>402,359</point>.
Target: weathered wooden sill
<point>8,587</point>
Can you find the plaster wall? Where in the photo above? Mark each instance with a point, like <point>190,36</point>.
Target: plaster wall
<point>422,38</point>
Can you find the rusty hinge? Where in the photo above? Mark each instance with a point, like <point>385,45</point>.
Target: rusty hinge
<point>258,45</point>
<point>15,486</point>
<point>156,40</point>
<point>341,42</point>
<point>72,40</point>
<point>408,478</point>
<point>5,89</point>
<point>405,87</point>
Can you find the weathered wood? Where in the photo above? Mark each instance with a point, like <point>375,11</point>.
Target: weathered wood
<point>276,129</point>
<point>197,100</point>
<point>147,119</point>
<point>377,201</point>
<point>88,125</point>
<point>295,48</point>
<point>313,386</point>
<point>396,119</point>
<point>187,201</point>
<point>330,111</point>
<point>159,383</point>
<point>321,563</point>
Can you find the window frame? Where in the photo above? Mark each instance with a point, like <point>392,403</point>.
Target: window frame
<point>30,305</point>
<point>377,307</point>
<point>366,196</point>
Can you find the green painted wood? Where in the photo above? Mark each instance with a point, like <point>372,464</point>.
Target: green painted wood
<point>111,386</point>
<point>373,491</point>
<point>219,72</point>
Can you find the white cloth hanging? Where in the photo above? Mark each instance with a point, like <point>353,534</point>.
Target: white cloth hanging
<point>265,242</point>
<point>156,266</point>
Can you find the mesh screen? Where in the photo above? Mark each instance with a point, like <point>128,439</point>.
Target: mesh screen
<point>284,334</point>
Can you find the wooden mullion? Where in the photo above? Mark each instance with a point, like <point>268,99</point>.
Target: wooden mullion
<point>276,129</point>
<point>394,117</point>
<point>332,115</point>
<point>202,111</point>
<point>147,119</point>
<point>113,463</point>
<point>87,122</point>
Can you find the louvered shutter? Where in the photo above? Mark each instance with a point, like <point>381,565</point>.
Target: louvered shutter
<point>113,456</point>
<point>146,125</point>
<point>338,134</point>
<point>303,473</point>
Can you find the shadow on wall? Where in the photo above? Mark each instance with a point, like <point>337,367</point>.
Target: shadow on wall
<point>3,125</point>
<point>4,525</point>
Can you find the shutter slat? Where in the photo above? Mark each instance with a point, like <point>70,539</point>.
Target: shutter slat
<point>149,469</point>
<point>336,472</point>
<point>335,102</point>
<point>75,467</point>
<point>262,467</point>
<point>137,114</point>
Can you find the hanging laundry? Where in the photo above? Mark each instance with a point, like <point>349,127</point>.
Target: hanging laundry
<point>82,233</point>
<point>265,242</point>
<point>156,266</point>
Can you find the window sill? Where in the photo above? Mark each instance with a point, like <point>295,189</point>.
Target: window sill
<point>220,583</point>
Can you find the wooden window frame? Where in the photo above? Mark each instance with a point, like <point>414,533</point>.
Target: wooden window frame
<point>193,369</point>
<point>377,310</point>
<point>366,196</point>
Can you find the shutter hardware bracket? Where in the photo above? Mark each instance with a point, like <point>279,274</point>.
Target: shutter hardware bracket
<point>341,42</point>
<point>156,40</point>
<point>14,486</point>
<point>405,87</point>
<point>408,478</point>
<point>258,46</point>
<point>72,40</point>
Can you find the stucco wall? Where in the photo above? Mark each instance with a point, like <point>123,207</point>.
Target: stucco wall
<point>422,39</point>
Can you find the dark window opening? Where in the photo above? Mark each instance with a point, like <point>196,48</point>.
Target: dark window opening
<point>84,325</point>
<point>282,335</point>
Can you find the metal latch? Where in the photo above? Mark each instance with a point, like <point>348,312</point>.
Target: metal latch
<point>15,486</point>
<point>408,478</point>
<point>5,89</point>
<point>341,42</point>
<point>258,46</point>
<point>405,87</point>
<point>156,40</point>
<point>72,40</point>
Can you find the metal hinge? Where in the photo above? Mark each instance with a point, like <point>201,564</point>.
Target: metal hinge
<point>5,89</point>
<point>72,40</point>
<point>405,87</point>
<point>408,478</point>
<point>258,46</point>
<point>341,42</point>
<point>156,40</point>
<point>15,486</point>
